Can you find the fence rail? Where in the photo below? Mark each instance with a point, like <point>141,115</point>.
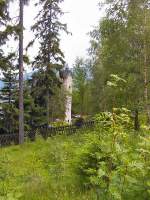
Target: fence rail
<point>45,132</point>
<point>8,139</point>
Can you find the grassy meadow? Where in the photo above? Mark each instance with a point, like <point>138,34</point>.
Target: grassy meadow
<point>41,170</point>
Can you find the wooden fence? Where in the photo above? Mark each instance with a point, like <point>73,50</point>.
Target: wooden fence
<point>45,132</point>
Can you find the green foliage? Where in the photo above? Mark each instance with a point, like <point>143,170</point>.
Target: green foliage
<point>42,170</point>
<point>114,159</point>
<point>118,47</point>
<point>50,58</point>
<point>57,103</point>
<point>115,81</point>
<point>81,87</point>
<point>59,123</point>
<point>8,96</point>
<point>109,163</point>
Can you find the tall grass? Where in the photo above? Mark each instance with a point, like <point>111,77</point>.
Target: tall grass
<point>42,170</point>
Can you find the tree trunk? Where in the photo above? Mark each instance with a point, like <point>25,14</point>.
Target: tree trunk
<point>48,107</point>
<point>21,106</point>
<point>136,121</point>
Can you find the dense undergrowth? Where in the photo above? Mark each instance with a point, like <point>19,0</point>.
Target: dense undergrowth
<point>109,162</point>
<point>115,159</point>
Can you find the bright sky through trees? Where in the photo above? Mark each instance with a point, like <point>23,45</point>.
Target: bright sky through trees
<point>81,16</point>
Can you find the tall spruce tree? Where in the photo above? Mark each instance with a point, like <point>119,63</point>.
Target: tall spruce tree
<point>4,17</point>
<point>9,111</point>
<point>17,30</point>
<point>50,57</point>
<point>6,95</point>
<point>6,26</point>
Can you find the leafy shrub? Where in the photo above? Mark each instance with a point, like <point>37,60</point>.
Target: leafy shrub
<point>114,160</point>
<point>120,117</point>
<point>59,123</point>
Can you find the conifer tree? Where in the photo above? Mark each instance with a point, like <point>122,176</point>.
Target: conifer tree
<point>50,57</point>
<point>4,17</point>
<point>9,111</point>
<point>18,31</point>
